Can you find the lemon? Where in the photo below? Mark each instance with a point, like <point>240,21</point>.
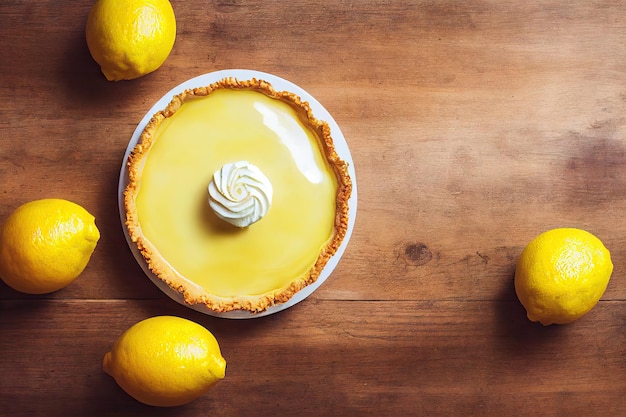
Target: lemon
<point>45,244</point>
<point>165,361</point>
<point>130,38</point>
<point>561,275</point>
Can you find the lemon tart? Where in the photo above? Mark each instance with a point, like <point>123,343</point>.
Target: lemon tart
<point>236,196</point>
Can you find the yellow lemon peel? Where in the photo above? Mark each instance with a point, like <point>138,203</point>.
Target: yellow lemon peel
<point>165,361</point>
<point>129,39</point>
<point>45,244</point>
<point>561,275</point>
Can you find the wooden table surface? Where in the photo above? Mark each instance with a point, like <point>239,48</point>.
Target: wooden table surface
<point>473,127</point>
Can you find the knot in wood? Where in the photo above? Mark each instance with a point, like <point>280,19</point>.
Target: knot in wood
<point>416,254</point>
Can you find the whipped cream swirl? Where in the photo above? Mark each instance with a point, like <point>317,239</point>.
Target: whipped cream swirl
<point>240,193</point>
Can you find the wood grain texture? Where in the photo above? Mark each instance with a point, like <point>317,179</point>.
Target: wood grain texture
<point>329,358</point>
<point>473,127</point>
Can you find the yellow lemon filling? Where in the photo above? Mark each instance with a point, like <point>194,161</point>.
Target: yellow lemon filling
<point>172,207</point>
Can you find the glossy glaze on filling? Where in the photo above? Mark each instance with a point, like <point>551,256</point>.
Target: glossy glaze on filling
<point>172,206</point>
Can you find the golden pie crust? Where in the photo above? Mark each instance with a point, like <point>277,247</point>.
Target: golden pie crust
<point>191,292</point>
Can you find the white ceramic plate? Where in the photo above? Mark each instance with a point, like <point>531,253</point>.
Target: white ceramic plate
<point>319,112</point>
